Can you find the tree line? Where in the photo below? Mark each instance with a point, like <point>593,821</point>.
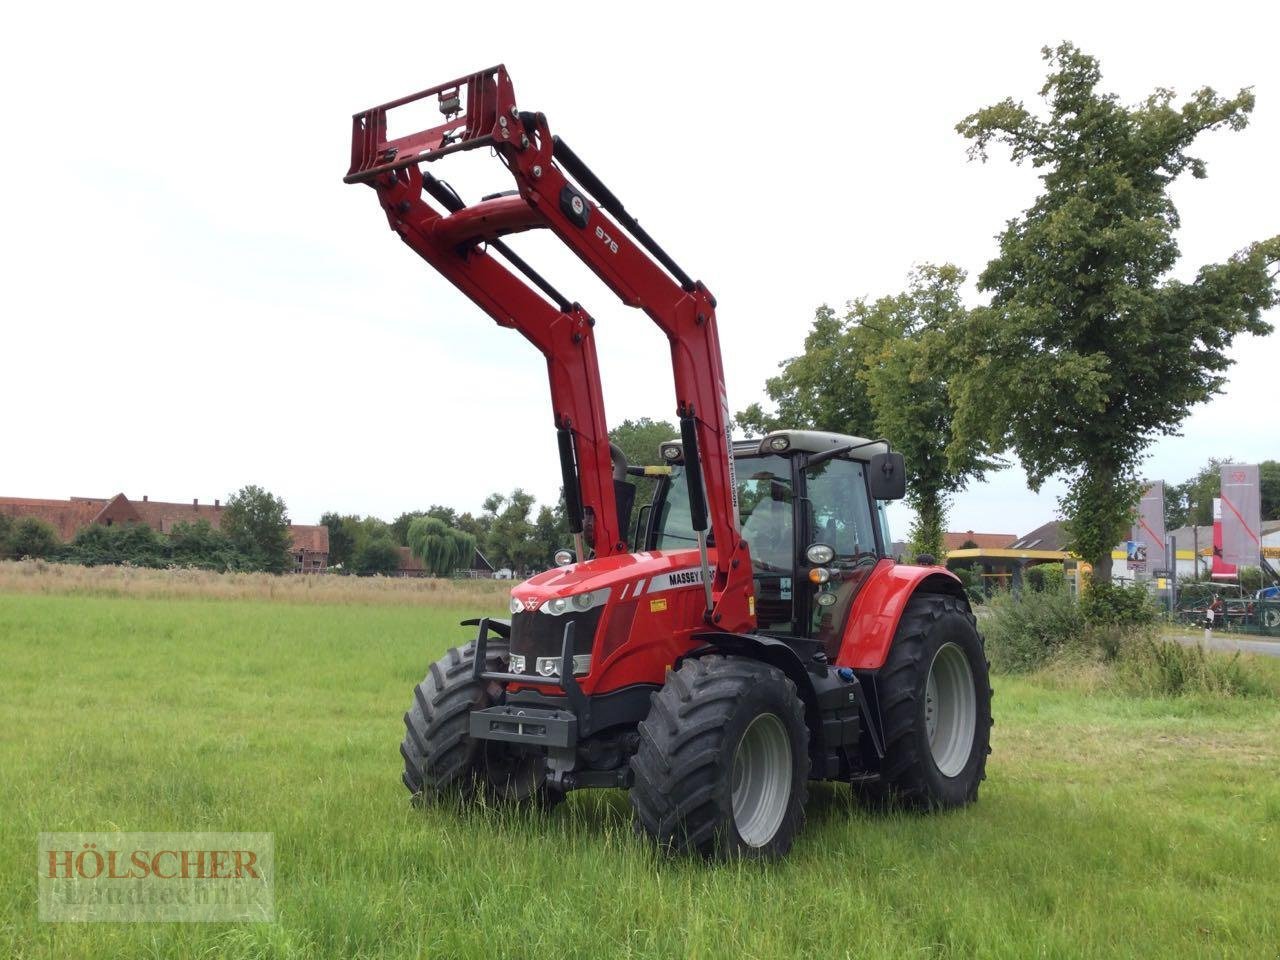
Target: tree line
<point>1087,350</point>
<point>512,531</point>
<point>253,536</point>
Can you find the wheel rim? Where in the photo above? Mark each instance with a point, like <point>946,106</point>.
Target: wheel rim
<point>950,709</point>
<point>761,780</point>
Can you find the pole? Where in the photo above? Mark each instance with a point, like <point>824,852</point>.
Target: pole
<point>1173,582</point>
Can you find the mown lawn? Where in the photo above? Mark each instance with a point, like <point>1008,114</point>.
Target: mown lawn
<point>1108,826</point>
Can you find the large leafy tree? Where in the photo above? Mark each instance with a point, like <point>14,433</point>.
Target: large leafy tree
<point>342,537</point>
<point>441,548</point>
<point>1089,349</point>
<point>894,360</point>
<point>511,539</point>
<point>257,524</point>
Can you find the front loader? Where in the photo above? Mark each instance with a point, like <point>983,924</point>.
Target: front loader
<point>756,634</point>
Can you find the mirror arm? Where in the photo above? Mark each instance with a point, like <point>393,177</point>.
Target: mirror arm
<point>826,455</point>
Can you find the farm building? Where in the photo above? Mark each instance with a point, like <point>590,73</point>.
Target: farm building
<point>309,543</point>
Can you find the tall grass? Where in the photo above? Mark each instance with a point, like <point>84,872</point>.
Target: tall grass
<point>1109,826</point>
<point>1050,630</point>
<point>38,576</point>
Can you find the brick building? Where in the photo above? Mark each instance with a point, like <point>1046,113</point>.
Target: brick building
<point>309,544</point>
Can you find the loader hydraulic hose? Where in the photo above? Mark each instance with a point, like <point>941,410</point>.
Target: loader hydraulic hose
<point>697,498</point>
<point>604,196</point>
<point>569,476</point>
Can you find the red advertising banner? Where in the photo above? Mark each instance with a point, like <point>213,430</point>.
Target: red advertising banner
<point>1241,514</point>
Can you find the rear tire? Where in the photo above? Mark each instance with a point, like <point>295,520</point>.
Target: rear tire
<point>440,757</point>
<point>935,701</point>
<point>722,768</point>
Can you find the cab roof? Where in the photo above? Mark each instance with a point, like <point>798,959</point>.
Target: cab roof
<point>805,441</point>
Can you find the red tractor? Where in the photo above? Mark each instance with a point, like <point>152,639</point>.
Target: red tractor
<point>758,636</point>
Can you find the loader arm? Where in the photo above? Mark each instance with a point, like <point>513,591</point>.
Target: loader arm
<point>557,191</point>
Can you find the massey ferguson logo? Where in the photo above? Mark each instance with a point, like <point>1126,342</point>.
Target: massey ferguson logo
<point>675,579</point>
<point>531,603</point>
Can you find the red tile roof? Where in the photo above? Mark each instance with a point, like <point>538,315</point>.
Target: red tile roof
<point>68,516</point>
<point>65,516</point>
<point>952,540</point>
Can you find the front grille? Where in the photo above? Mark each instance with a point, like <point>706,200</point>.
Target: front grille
<point>542,635</point>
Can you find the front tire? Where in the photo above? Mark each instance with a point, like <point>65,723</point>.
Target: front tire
<point>440,757</point>
<point>722,768</point>
<point>935,699</point>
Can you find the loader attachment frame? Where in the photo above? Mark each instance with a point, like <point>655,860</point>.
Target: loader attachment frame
<point>557,191</point>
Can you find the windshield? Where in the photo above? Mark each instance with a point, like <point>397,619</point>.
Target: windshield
<point>764,512</point>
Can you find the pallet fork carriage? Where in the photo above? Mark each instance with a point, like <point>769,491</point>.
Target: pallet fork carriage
<point>867,671</point>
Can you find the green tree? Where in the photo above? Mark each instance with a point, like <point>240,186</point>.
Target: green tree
<point>257,523</point>
<point>896,360</point>
<point>551,532</point>
<point>377,555</point>
<point>400,526</point>
<point>1089,351</point>
<point>511,540</point>
<point>342,537</point>
<point>200,545</point>
<point>374,549</point>
<point>6,531</point>
<point>441,548</point>
<point>823,387</point>
<point>33,538</point>
<point>639,441</point>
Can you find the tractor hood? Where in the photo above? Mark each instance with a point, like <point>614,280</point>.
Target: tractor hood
<point>658,569</point>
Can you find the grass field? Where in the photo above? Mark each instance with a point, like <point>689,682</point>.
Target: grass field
<point>1108,827</point>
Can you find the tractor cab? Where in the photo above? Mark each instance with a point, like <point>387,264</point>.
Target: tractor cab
<point>811,509</point>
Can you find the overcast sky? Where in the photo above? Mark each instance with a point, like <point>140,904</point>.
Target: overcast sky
<point>193,300</point>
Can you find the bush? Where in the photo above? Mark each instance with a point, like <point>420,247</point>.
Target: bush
<point>33,538</point>
<point>1028,630</point>
<point>200,545</point>
<point>134,544</point>
<point>973,585</point>
<point>1167,668</point>
<point>377,556</point>
<point>1046,576</point>
<point>1108,604</point>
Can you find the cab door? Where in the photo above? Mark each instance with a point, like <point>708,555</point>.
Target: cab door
<point>835,510</point>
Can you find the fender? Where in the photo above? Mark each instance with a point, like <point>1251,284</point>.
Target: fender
<point>873,621</point>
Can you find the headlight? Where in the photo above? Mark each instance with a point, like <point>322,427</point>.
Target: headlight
<point>517,605</point>
<point>580,602</point>
<point>564,558</point>
<point>779,443</point>
<point>550,666</point>
<point>826,599</point>
<point>516,663</point>
<point>820,554</point>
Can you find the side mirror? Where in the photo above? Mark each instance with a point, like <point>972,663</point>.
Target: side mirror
<point>887,476</point>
